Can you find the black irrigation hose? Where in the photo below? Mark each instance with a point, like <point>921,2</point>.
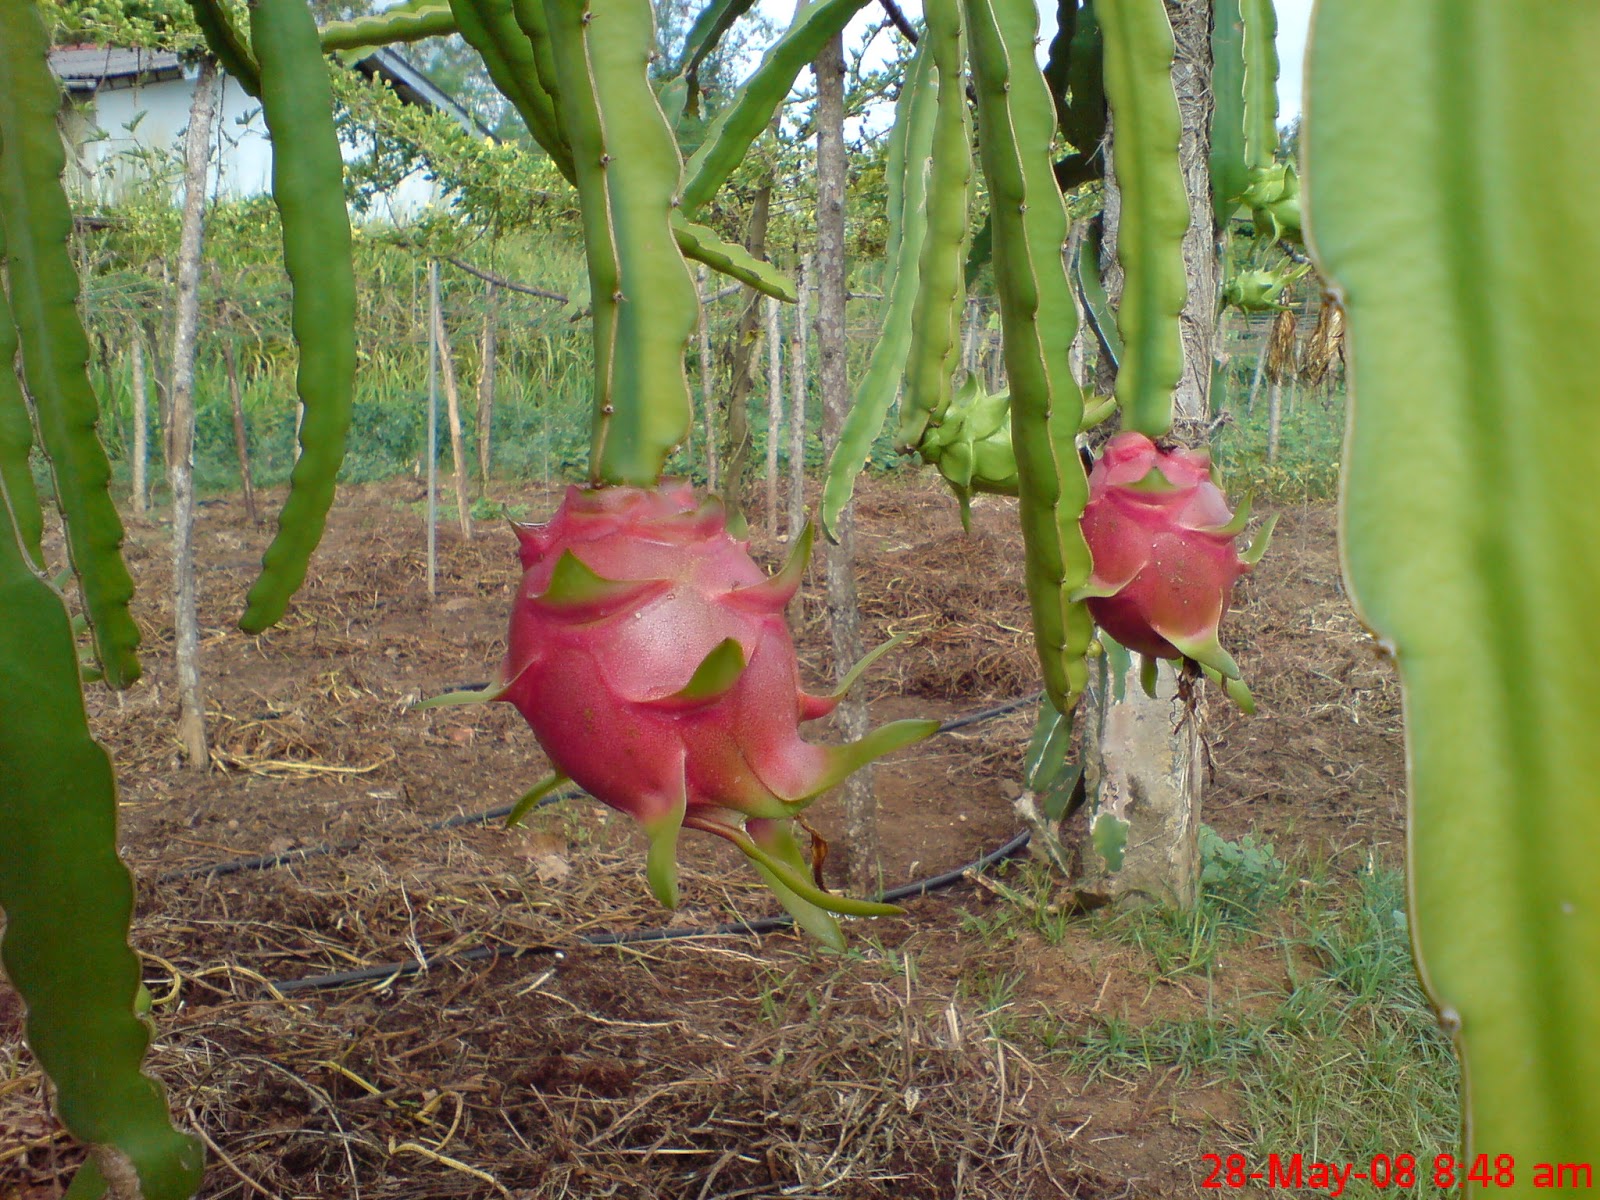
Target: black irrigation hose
<point>389,972</point>
<point>262,862</point>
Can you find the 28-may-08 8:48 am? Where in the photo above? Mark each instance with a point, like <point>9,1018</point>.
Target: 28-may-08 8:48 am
<point>1445,1173</point>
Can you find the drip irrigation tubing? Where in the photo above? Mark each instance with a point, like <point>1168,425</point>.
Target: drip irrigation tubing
<point>388,972</point>
<point>263,862</point>
<point>385,973</point>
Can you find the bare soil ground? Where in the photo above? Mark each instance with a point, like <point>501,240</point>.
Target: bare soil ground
<point>711,1067</point>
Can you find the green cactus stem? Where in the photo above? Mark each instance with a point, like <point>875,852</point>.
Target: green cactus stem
<point>1259,50</point>
<point>1468,530</point>
<point>227,44</point>
<point>941,292</point>
<point>36,225</point>
<point>1155,210</point>
<point>1229,173</point>
<point>400,24</point>
<point>911,149</point>
<point>1091,292</point>
<point>747,116</point>
<point>1016,126</point>
<point>308,191</point>
<point>1081,107</point>
<point>66,941</point>
<point>641,293</point>
<point>731,259</point>
<point>20,514</point>
<point>490,27</point>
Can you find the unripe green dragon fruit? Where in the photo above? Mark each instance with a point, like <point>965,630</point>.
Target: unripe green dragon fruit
<point>1258,289</point>
<point>1273,197</point>
<point>650,655</point>
<point>1165,555</point>
<point>970,443</point>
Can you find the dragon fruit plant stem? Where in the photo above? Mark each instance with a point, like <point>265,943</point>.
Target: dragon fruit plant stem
<point>1155,209</point>
<point>910,151</point>
<point>1470,542</point>
<point>941,294</point>
<point>641,293</point>
<point>1016,125</point>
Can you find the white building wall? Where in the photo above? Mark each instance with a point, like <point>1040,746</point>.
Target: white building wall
<point>118,131</point>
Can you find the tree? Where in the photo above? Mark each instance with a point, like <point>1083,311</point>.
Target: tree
<point>1145,753</point>
<point>844,612</point>
<point>180,433</point>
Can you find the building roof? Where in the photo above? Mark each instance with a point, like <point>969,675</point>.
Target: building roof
<point>412,86</point>
<point>86,68</point>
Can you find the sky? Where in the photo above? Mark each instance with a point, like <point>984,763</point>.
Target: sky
<point>1293,18</point>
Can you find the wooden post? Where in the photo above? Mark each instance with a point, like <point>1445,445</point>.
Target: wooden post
<point>141,427</point>
<point>1274,418</point>
<point>774,411</point>
<point>797,401</point>
<point>708,404</point>
<point>844,613</point>
<point>452,399</point>
<point>180,466</point>
<point>241,437</point>
<point>489,347</point>
<point>433,430</point>
<point>1144,755</point>
<point>1261,366</point>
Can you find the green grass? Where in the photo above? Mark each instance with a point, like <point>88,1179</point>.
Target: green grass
<point>1342,1062</point>
<point>1311,444</point>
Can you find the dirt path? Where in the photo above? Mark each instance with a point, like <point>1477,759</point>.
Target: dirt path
<point>726,1067</point>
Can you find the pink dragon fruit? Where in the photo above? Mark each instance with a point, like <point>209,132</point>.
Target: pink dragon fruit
<point>650,655</point>
<point>1165,560</point>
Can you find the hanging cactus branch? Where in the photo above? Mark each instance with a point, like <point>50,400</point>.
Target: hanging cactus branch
<point>1081,107</point>
<point>43,283</point>
<point>1259,51</point>
<point>748,114</point>
<point>227,44</point>
<point>1468,539</point>
<point>941,292</point>
<point>1155,209</point>
<point>20,513</point>
<point>490,27</point>
<point>642,295</point>
<point>912,150</point>
<point>1230,173</point>
<point>1016,125</point>
<point>1273,191</point>
<point>308,190</point>
<point>68,898</point>
<point>399,24</point>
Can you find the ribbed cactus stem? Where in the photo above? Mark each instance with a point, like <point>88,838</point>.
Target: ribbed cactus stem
<point>641,293</point>
<point>941,296</point>
<point>1016,125</point>
<point>1155,209</point>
